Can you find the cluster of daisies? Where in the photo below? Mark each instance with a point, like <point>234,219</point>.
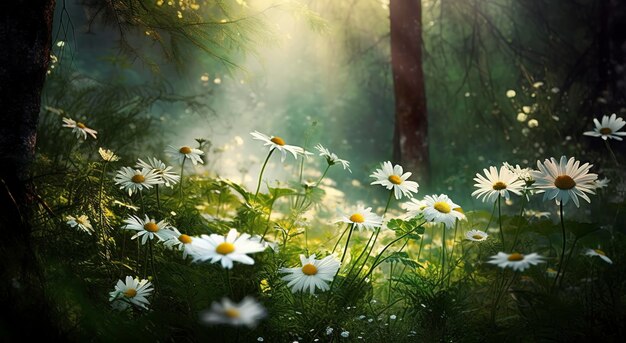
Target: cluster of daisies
<point>560,180</point>
<point>313,273</point>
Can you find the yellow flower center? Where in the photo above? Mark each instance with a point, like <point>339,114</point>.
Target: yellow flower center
<point>80,221</point>
<point>514,257</point>
<point>357,218</point>
<point>564,182</point>
<point>498,186</point>
<point>309,269</point>
<point>82,126</point>
<point>278,141</point>
<point>458,209</point>
<point>138,178</point>
<point>477,236</point>
<point>151,227</point>
<point>184,239</point>
<point>442,207</point>
<point>225,248</point>
<point>600,252</point>
<point>395,179</point>
<point>185,150</point>
<point>605,131</point>
<point>130,293</point>
<point>231,313</point>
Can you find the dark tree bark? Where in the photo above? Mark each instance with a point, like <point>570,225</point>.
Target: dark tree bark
<point>411,126</point>
<point>25,31</point>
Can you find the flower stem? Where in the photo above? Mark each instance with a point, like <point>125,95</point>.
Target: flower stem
<point>158,200</point>
<point>258,186</point>
<point>322,178</point>
<point>345,249</point>
<point>563,249</point>
<point>569,257</point>
<point>103,233</point>
<point>608,146</point>
<point>378,257</point>
<point>182,172</point>
<point>388,202</point>
<point>521,213</point>
<point>443,253</point>
<point>500,220</point>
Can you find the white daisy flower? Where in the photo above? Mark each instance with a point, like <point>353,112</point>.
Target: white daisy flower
<point>392,177</point>
<point>564,180</point>
<point>495,184</point>
<point>414,207</point>
<point>362,218</point>
<point>248,312</point>
<point>168,178</point>
<point>440,209</point>
<point>135,180</point>
<point>476,235</point>
<point>185,152</point>
<point>131,292</point>
<point>108,155</point>
<point>147,228</point>
<point>81,223</point>
<point>602,183</point>
<point>233,247</point>
<point>79,128</point>
<point>265,243</point>
<point>601,254</point>
<point>523,174</point>
<point>176,240</point>
<point>313,274</point>
<point>275,142</point>
<point>331,158</point>
<point>517,261</point>
<point>609,128</point>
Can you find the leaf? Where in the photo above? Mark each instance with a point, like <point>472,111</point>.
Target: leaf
<point>406,227</point>
<point>402,257</point>
<point>581,229</point>
<point>237,188</point>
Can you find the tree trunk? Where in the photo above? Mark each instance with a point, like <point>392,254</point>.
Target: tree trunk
<point>411,126</point>
<point>25,31</point>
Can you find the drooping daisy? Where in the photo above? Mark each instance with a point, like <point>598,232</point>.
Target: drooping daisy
<point>108,155</point>
<point>132,292</point>
<point>392,177</point>
<point>168,178</point>
<point>80,223</point>
<point>331,158</point>
<point>476,235</point>
<point>248,312</point>
<point>521,173</point>
<point>517,261</point>
<point>564,180</point>
<point>147,228</point>
<point>135,180</point>
<point>440,209</point>
<point>414,207</point>
<point>362,218</point>
<point>79,128</point>
<point>277,143</point>
<point>185,152</point>
<point>313,274</point>
<point>609,128</point>
<point>233,247</point>
<point>601,254</point>
<point>495,184</point>
<point>176,240</point>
